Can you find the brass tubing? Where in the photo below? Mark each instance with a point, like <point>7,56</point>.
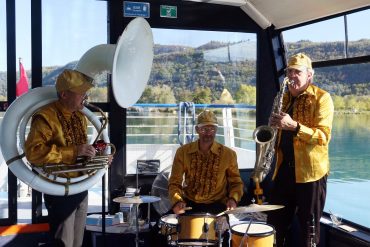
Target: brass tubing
<point>78,169</point>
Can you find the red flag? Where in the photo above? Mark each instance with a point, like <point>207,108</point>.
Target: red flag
<point>22,84</point>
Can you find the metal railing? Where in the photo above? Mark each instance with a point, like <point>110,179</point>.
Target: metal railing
<point>162,123</point>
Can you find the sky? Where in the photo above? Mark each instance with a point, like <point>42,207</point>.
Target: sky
<point>67,34</point>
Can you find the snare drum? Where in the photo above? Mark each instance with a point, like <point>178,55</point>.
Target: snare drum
<point>168,227</point>
<point>197,229</point>
<point>258,235</point>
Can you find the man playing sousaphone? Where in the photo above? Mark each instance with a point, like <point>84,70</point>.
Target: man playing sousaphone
<point>205,177</point>
<point>58,135</point>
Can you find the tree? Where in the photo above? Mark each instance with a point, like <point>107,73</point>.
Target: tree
<point>202,96</point>
<point>339,103</point>
<point>246,94</point>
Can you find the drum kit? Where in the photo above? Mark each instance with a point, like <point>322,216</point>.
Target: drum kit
<point>204,229</point>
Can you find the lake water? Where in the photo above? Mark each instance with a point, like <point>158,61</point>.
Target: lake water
<point>349,177</point>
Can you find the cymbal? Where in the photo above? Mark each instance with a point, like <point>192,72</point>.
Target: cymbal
<point>253,208</point>
<point>136,199</point>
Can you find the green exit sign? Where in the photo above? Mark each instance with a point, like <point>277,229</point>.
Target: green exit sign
<point>168,11</point>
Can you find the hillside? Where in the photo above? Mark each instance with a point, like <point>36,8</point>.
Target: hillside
<point>213,65</point>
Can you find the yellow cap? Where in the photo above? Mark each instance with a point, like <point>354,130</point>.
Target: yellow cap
<point>207,118</point>
<point>74,81</point>
<point>299,61</point>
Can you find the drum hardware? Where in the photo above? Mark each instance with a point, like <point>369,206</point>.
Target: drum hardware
<point>136,200</point>
<point>246,233</point>
<point>220,228</point>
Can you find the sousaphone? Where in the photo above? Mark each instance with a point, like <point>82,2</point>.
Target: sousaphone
<point>129,62</point>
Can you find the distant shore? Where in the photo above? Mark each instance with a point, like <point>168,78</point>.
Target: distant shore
<point>344,112</point>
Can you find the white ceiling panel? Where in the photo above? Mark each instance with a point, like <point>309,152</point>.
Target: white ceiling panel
<point>285,13</point>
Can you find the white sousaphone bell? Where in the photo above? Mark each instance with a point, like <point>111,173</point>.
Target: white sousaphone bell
<point>129,62</point>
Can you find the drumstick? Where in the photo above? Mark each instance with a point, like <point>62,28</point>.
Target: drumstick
<point>187,208</point>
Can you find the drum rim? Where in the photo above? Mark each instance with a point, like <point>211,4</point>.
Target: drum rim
<point>173,225</point>
<point>195,240</point>
<point>262,234</point>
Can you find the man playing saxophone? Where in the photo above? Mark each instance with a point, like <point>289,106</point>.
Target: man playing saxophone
<point>58,134</point>
<point>302,163</point>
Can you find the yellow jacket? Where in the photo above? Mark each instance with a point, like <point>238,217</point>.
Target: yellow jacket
<point>205,179</point>
<point>313,110</point>
<point>53,136</point>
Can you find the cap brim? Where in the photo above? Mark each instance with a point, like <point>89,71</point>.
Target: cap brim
<point>207,123</point>
<point>298,67</point>
<point>83,88</point>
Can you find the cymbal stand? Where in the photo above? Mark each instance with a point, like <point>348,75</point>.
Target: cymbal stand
<point>245,234</point>
<point>219,238</point>
<point>219,228</point>
<point>136,226</point>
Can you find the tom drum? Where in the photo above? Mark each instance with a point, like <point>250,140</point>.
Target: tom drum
<point>258,235</point>
<point>168,227</point>
<point>197,229</point>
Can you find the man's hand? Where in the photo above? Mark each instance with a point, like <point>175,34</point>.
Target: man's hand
<point>283,121</point>
<point>110,159</point>
<point>179,207</point>
<point>86,150</point>
<point>230,204</point>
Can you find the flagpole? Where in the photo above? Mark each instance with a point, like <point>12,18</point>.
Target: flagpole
<point>19,66</point>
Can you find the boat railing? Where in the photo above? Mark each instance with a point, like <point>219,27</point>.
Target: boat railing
<point>236,122</point>
<point>155,131</point>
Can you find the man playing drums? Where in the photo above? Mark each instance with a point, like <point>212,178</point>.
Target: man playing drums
<point>205,175</point>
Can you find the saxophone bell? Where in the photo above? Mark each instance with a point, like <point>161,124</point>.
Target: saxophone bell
<point>264,136</point>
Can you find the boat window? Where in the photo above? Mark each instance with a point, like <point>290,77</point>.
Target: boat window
<point>194,70</point>
<point>66,37</point>
<point>348,180</point>
<point>358,33</point>
<point>326,40</point>
<point>3,53</point>
<point>23,53</point>
<point>349,87</point>
<point>4,212</point>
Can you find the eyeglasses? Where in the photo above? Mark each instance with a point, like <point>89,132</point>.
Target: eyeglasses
<point>294,71</point>
<point>209,130</point>
<point>84,96</point>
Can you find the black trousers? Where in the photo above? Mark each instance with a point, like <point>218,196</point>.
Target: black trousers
<point>302,200</point>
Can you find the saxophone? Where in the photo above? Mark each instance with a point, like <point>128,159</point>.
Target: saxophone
<point>265,137</point>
